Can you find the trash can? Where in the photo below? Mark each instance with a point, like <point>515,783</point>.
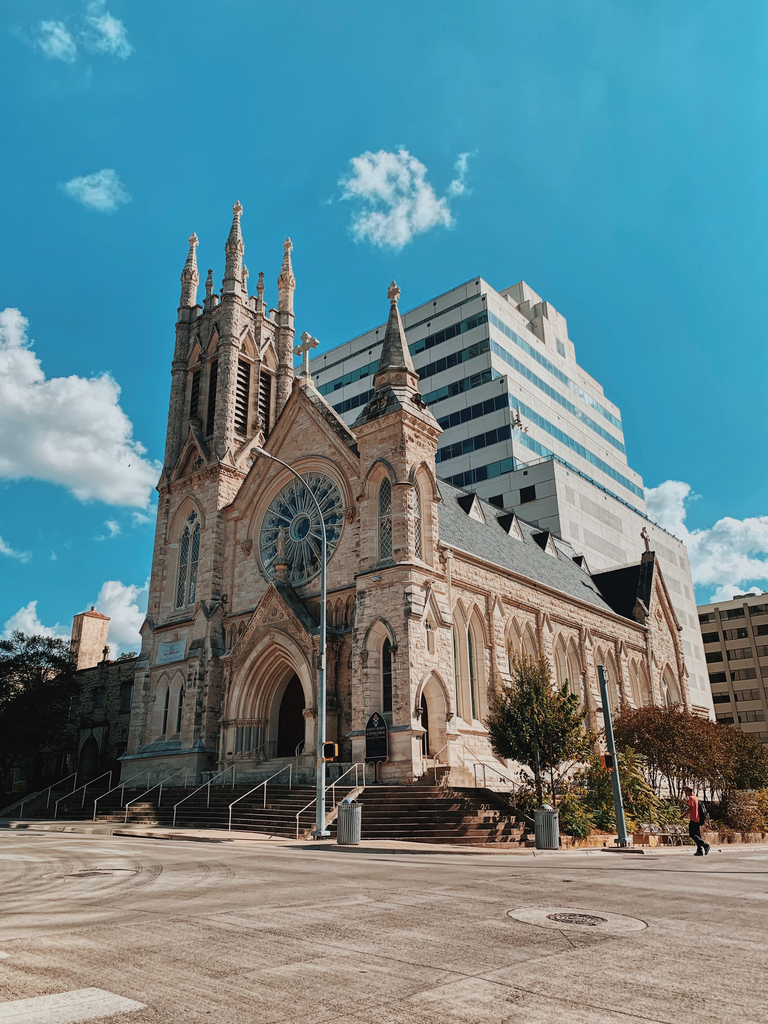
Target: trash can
<point>547,828</point>
<point>349,822</point>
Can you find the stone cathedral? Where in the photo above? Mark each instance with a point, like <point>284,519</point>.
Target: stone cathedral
<point>428,587</point>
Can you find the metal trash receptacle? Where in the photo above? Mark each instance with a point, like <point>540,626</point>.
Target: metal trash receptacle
<point>546,822</point>
<point>349,822</point>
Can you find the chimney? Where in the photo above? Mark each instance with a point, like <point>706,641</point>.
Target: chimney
<point>89,637</point>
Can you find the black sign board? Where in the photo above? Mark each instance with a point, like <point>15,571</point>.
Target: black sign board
<point>376,739</point>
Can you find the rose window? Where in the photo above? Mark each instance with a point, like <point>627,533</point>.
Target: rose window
<point>292,529</point>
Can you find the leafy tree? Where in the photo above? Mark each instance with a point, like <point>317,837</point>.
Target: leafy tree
<point>537,724</point>
<point>37,680</point>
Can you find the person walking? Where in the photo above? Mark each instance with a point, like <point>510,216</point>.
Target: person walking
<point>697,816</point>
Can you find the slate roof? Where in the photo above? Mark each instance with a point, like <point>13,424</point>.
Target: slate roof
<point>329,414</point>
<point>296,605</point>
<point>526,558</point>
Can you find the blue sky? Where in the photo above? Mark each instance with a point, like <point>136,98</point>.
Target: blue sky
<point>617,163</point>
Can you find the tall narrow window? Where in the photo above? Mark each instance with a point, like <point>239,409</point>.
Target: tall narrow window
<point>385,519</point>
<point>181,585</point>
<point>194,395</point>
<point>455,670</point>
<point>472,672</point>
<point>194,555</point>
<point>189,554</point>
<point>265,399</point>
<point>165,710</point>
<point>416,522</point>
<point>242,397</point>
<point>213,378</point>
<point>179,709</point>
<point>386,678</point>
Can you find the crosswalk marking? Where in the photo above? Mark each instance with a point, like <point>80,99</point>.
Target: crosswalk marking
<point>66,1007</point>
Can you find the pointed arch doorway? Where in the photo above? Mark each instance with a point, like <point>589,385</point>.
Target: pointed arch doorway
<point>290,718</point>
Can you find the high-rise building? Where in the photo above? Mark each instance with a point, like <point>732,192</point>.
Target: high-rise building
<point>735,635</point>
<point>526,428</point>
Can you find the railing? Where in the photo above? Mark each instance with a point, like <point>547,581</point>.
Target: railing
<point>160,784</point>
<point>83,787</point>
<point>121,786</point>
<point>490,768</point>
<point>264,784</point>
<point>229,768</point>
<point>48,791</point>
<point>355,768</point>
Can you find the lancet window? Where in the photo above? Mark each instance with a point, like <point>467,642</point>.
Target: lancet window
<point>213,378</point>
<point>416,523</point>
<point>242,397</point>
<point>385,519</point>
<point>386,678</point>
<point>189,554</point>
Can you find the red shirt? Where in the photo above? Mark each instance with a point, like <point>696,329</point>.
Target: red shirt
<point>693,808</point>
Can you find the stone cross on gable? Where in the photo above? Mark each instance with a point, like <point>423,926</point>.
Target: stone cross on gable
<point>646,539</point>
<point>303,350</point>
<point>393,293</point>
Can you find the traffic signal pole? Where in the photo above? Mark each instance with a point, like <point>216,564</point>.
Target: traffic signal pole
<point>618,804</point>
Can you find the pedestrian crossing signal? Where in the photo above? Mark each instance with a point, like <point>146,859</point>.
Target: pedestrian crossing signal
<point>606,760</point>
<point>330,751</point>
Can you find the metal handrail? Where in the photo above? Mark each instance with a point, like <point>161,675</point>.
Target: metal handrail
<point>83,787</point>
<point>501,775</point>
<point>161,783</point>
<point>121,786</point>
<point>229,768</point>
<point>332,786</point>
<point>48,799</point>
<point>264,784</point>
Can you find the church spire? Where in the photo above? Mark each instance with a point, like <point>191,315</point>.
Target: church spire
<point>286,284</point>
<point>234,250</point>
<point>190,278</point>
<point>395,363</point>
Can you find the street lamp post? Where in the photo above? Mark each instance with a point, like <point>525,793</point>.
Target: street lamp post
<point>320,831</point>
<point>618,804</point>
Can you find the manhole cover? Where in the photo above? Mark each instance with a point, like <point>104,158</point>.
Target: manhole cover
<point>576,917</point>
<point>567,918</point>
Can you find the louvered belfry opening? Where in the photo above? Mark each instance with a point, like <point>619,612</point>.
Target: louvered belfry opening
<point>242,397</point>
<point>265,399</point>
<point>194,396</point>
<point>213,377</point>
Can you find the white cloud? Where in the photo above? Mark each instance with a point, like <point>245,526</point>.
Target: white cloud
<point>395,199</point>
<point>126,606</point>
<point>142,518</point>
<point>66,430</point>
<point>56,41</point>
<point>458,187</point>
<point>106,34</point>
<point>102,191</point>
<point>26,620</point>
<point>113,528</point>
<point>6,549</point>
<point>728,555</point>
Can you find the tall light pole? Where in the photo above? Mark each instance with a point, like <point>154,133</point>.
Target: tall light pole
<point>320,831</point>
<point>618,804</point>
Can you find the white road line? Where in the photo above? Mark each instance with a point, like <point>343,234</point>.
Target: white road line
<point>66,1007</point>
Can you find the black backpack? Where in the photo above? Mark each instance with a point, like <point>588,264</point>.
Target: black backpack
<point>703,812</point>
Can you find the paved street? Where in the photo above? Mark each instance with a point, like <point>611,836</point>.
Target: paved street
<point>245,934</point>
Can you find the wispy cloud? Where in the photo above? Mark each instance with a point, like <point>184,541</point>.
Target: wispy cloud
<point>97,31</point>
<point>728,556</point>
<point>113,529</point>
<point>66,430</point>
<point>102,191</point>
<point>105,33</point>
<point>458,187</point>
<point>56,42</point>
<point>6,549</point>
<point>394,199</point>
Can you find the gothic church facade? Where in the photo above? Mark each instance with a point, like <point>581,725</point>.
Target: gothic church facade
<point>428,587</point>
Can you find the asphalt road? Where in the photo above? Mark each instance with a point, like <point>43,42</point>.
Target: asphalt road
<point>237,934</point>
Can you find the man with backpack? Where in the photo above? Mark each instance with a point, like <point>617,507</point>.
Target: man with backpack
<point>697,816</point>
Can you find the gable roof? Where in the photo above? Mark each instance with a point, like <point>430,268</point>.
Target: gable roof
<point>626,584</point>
<point>491,542</point>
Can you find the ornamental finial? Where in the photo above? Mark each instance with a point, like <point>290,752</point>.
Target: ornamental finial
<point>393,293</point>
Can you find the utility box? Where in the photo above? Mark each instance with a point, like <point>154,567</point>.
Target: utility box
<point>349,823</point>
<point>546,822</point>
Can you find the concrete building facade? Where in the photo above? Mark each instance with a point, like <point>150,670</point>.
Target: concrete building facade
<point>735,637</point>
<point>429,587</point>
<point>526,428</point>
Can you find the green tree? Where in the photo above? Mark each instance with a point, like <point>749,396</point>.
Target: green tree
<point>37,680</point>
<point>538,724</point>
